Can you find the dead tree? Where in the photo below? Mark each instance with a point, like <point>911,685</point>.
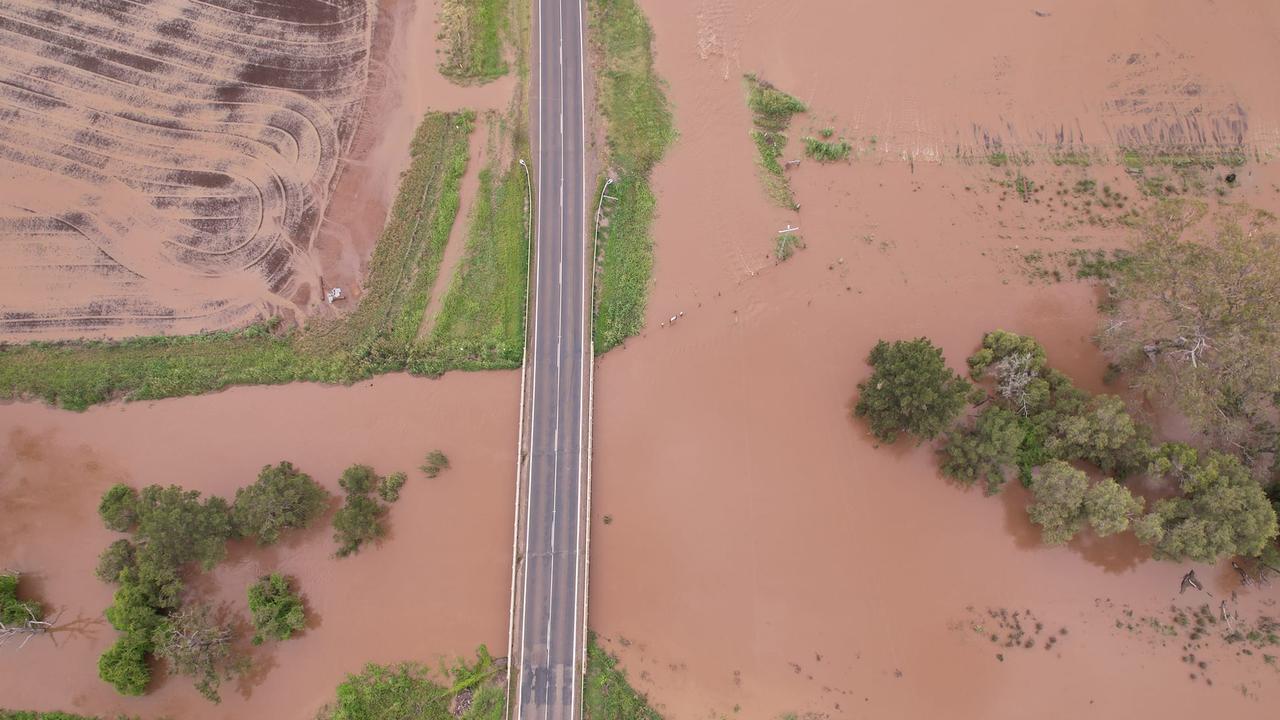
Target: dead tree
<point>1191,581</point>
<point>28,629</point>
<point>1245,580</point>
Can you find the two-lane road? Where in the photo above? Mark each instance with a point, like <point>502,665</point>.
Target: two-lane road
<point>553,587</point>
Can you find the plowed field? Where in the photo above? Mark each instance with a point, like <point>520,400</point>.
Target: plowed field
<point>164,165</point>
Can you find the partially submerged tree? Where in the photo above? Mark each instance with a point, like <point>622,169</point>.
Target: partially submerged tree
<point>910,390</point>
<point>1109,507</point>
<point>13,610</point>
<point>389,487</point>
<point>1197,323</point>
<point>117,558</point>
<point>436,463</point>
<point>283,497</point>
<point>1103,434</point>
<point>124,665</point>
<point>985,450</point>
<point>119,507</point>
<point>1222,510</point>
<point>359,520</point>
<point>1059,491</point>
<point>195,645</point>
<point>276,609</point>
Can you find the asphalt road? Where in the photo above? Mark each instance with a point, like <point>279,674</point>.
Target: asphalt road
<point>551,635</point>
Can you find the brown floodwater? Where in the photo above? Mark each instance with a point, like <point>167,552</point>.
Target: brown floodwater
<point>762,555</point>
<point>434,588</point>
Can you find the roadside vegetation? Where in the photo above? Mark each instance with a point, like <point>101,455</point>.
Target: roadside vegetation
<point>55,715</point>
<point>474,39</point>
<point>607,694</point>
<point>379,336</point>
<point>771,111</point>
<point>481,322</point>
<point>467,691</point>
<point>638,129</point>
<point>174,532</point>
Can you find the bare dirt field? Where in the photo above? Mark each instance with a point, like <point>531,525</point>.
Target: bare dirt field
<point>435,587</point>
<point>179,166</point>
<point>761,556</point>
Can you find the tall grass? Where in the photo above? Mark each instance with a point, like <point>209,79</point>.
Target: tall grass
<point>826,151</point>
<point>377,337</point>
<point>638,131</point>
<point>472,35</point>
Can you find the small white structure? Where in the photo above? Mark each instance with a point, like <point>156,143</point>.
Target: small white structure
<point>333,294</point>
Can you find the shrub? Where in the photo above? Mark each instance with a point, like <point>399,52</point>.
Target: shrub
<point>277,611</point>
<point>12,610</point>
<point>389,487</point>
<point>910,390</point>
<point>358,479</point>
<point>436,463</point>
<point>357,522</point>
<point>119,507</point>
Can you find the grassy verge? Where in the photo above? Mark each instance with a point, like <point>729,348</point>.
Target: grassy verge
<point>409,690</point>
<point>771,111</point>
<point>30,715</point>
<point>639,129</point>
<point>606,693</point>
<point>472,33</point>
<point>377,337</point>
<point>481,321</point>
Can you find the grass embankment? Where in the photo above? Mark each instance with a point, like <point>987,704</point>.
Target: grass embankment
<point>473,34</point>
<point>480,324</point>
<point>606,693</point>
<point>379,336</point>
<point>408,690</point>
<point>771,111</point>
<point>639,129</point>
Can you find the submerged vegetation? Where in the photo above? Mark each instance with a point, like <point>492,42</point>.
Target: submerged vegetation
<point>277,610</point>
<point>827,150</point>
<point>472,34</point>
<point>771,112</point>
<point>638,130</point>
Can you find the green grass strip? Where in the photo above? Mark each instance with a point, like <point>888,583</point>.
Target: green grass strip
<point>481,321</point>
<point>607,695</point>
<point>377,337</point>
<point>472,34</point>
<point>639,130</point>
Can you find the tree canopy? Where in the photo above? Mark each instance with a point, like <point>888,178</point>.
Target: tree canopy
<point>1222,510</point>
<point>984,450</point>
<point>283,497</point>
<point>1197,323</point>
<point>276,609</point>
<point>910,390</point>
<point>1059,491</point>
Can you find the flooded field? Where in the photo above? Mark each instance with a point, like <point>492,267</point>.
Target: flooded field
<point>760,555</point>
<point>435,587</point>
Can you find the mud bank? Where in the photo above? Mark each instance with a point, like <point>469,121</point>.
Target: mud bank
<point>762,555</point>
<point>435,587</point>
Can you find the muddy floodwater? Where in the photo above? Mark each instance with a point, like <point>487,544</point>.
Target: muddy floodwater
<point>434,588</point>
<point>762,556</point>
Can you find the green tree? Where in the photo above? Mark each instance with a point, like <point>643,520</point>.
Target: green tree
<point>1109,507</point>
<point>389,488</point>
<point>358,521</point>
<point>117,558</point>
<point>358,480</point>
<point>1103,434</point>
<point>131,612</point>
<point>282,498</point>
<point>1197,323</point>
<point>175,528</point>
<point>193,644</point>
<point>984,450</point>
<point>911,390</point>
<point>1222,510</point>
<point>119,507</point>
<point>1058,509</point>
<point>124,665</point>
<point>12,610</point>
<point>277,611</point>
<point>1000,345</point>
